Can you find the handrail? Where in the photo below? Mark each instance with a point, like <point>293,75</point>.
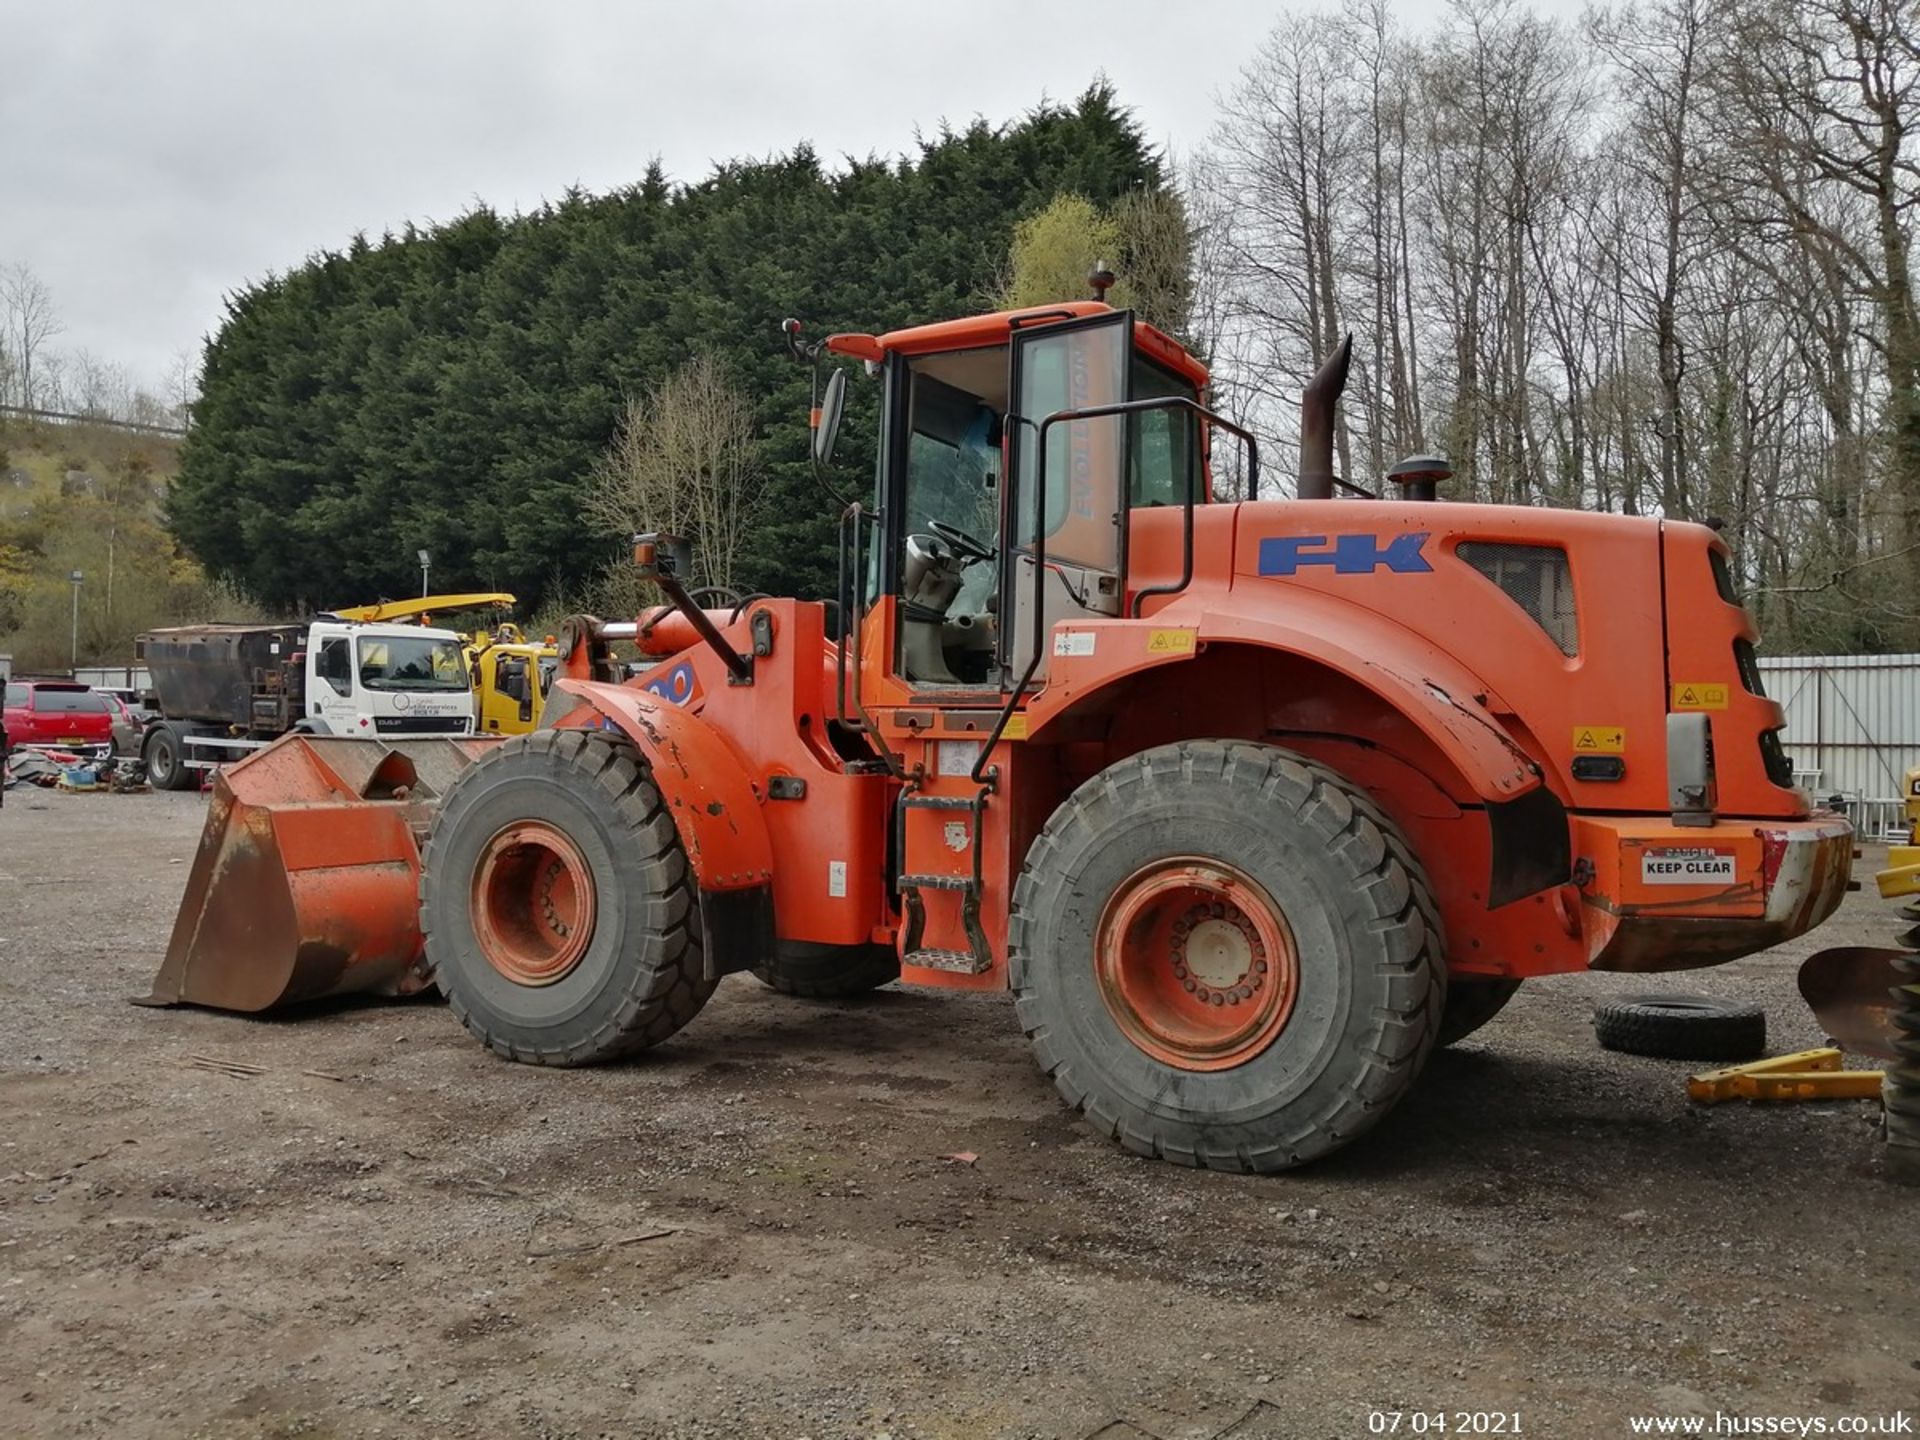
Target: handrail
<point>852,629</point>
<point>1096,412</point>
<point>851,611</point>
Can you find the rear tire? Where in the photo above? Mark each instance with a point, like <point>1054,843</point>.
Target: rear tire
<point>1167,857</point>
<point>1471,1004</point>
<point>560,914</point>
<point>164,751</point>
<point>828,972</point>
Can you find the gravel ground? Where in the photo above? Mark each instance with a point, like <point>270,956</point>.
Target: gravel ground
<point>755,1231</point>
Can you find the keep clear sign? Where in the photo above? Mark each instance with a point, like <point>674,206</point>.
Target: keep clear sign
<point>1695,865</point>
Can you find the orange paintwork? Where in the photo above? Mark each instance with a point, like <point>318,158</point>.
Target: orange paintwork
<point>714,759</point>
<point>306,882</point>
<point>1352,631</point>
<point>992,329</point>
<point>1427,685</point>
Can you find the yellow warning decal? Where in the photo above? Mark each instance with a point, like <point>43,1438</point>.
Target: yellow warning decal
<point>1699,695</point>
<point>1170,642</point>
<point>1016,728</point>
<point>1599,740</point>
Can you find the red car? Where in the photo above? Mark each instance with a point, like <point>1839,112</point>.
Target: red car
<point>58,712</point>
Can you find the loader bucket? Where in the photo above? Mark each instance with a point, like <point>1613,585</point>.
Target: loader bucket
<point>1850,990</point>
<point>306,881</point>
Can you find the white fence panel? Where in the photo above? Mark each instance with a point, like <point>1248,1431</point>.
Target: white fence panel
<point>1853,722</point>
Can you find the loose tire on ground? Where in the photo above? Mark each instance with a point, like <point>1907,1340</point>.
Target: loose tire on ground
<point>1297,843</point>
<point>828,972</point>
<point>1471,1004</point>
<point>1681,1027</point>
<point>164,751</point>
<point>559,911</point>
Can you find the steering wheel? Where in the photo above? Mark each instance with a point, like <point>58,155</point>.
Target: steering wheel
<point>963,543</point>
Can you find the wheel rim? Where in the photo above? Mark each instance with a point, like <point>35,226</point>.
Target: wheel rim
<point>533,903</point>
<point>1196,963</point>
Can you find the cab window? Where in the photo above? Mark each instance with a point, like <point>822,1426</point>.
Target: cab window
<point>957,406</point>
<point>335,666</point>
<point>948,533</point>
<point>1164,449</point>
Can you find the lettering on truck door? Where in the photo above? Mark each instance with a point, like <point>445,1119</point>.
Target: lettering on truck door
<point>330,696</point>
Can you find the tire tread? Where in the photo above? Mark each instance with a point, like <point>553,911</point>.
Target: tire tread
<point>1383,868</point>
<point>661,998</point>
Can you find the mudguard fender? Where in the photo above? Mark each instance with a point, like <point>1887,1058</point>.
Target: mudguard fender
<point>713,801</point>
<point>709,791</point>
<point>1529,829</point>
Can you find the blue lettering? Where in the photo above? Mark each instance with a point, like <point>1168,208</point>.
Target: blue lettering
<point>1347,554</point>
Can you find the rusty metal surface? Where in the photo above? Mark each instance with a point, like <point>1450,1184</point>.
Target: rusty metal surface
<point>211,672</point>
<point>306,880</point>
<point>1850,990</point>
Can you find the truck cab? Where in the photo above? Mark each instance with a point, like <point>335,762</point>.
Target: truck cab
<point>225,690</point>
<point>386,680</point>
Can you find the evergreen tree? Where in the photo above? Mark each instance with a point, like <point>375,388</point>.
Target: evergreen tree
<point>452,388</point>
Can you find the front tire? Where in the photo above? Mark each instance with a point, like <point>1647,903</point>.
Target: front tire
<point>559,911</point>
<point>1222,957</point>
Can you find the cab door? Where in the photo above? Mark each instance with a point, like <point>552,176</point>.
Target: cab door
<point>330,687</point>
<point>1066,517</point>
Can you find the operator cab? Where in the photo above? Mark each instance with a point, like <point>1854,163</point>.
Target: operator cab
<point>964,410</point>
<point>949,533</point>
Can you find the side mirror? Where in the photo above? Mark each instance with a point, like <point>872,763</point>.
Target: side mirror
<point>826,420</point>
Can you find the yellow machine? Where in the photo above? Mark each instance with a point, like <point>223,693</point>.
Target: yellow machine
<point>510,674</point>
<point>1902,875</point>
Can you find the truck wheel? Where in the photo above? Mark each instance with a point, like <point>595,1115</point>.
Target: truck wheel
<point>1681,1027</point>
<point>1222,957</point>
<point>167,768</point>
<point>1471,1004</point>
<point>828,972</point>
<point>559,912</point>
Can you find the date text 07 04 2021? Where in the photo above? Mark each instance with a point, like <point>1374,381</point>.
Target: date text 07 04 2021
<point>1443,1422</point>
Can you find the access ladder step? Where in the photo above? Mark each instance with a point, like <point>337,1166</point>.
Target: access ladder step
<point>939,802</point>
<point>956,960</point>
<point>936,882</point>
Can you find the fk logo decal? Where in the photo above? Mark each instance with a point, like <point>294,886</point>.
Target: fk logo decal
<point>1347,554</point>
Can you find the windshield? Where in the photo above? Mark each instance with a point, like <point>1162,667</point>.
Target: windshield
<point>396,662</point>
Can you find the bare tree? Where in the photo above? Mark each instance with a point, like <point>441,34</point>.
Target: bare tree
<point>685,461</point>
<point>1821,109</point>
<point>30,321</point>
<point>181,387</point>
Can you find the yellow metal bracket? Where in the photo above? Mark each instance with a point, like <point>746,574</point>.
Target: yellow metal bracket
<point>1805,1075</point>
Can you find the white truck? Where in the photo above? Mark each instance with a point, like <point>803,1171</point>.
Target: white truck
<point>224,690</point>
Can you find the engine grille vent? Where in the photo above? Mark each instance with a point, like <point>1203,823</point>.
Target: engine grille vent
<point>1537,578</point>
<point>1774,756</point>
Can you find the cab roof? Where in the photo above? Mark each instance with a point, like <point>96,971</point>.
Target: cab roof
<point>976,331</point>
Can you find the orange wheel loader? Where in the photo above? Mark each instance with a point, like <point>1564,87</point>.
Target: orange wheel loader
<point>1249,802</point>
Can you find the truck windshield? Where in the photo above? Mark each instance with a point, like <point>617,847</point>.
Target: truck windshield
<point>394,662</point>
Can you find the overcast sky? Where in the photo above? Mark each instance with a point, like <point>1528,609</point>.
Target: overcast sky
<point>154,156</point>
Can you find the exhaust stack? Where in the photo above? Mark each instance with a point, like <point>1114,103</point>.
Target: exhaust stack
<point>1317,404</point>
